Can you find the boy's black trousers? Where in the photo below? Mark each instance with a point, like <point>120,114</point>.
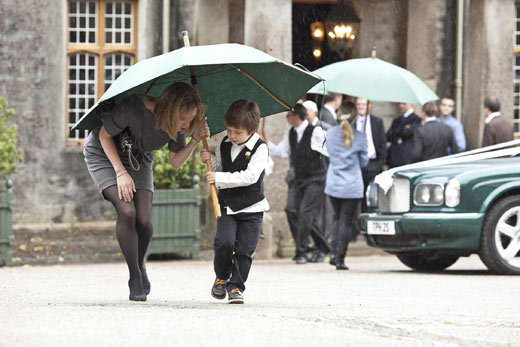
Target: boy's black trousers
<point>235,242</point>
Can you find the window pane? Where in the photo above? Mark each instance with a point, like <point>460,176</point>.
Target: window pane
<point>118,21</point>
<point>82,20</point>
<point>82,87</point>
<point>115,65</point>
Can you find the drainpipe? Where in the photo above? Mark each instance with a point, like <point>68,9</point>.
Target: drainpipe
<point>458,66</point>
<point>166,27</point>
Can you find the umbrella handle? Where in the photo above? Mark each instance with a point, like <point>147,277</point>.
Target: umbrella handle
<point>213,190</point>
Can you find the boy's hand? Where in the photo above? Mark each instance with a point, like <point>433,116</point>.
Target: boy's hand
<point>210,177</point>
<point>205,155</point>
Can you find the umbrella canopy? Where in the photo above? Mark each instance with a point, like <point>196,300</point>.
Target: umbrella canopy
<point>373,79</point>
<point>225,73</point>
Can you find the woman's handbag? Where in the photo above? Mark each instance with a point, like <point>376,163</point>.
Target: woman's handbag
<point>128,146</point>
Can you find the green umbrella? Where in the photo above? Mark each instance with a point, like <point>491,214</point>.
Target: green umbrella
<point>225,73</point>
<point>373,79</point>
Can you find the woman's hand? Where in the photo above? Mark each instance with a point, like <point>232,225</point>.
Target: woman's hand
<point>210,177</point>
<point>205,155</point>
<point>125,187</point>
<point>202,132</point>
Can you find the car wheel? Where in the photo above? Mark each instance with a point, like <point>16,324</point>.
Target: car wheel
<point>500,239</point>
<point>427,262</point>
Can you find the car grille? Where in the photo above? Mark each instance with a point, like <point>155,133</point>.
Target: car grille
<point>397,199</point>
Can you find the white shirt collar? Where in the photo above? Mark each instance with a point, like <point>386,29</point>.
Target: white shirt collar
<point>331,109</point>
<point>302,126</point>
<point>491,117</point>
<point>430,119</point>
<point>250,144</point>
<point>407,113</point>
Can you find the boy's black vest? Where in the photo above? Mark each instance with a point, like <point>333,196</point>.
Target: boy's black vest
<point>308,164</point>
<point>240,197</point>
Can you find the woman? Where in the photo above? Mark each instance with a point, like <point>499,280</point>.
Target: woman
<point>150,123</point>
<point>344,184</point>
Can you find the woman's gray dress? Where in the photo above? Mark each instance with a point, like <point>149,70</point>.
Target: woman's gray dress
<point>129,114</point>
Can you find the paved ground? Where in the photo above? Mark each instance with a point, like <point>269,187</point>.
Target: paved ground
<point>378,302</point>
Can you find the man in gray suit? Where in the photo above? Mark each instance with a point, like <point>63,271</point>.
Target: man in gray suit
<point>497,129</point>
<point>328,111</point>
<point>433,139</point>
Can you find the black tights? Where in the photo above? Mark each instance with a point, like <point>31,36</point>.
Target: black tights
<point>133,229</point>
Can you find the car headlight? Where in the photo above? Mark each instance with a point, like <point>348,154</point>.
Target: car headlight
<point>428,194</point>
<point>371,194</point>
<point>452,193</point>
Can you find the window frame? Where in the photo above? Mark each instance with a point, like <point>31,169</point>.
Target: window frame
<point>100,50</point>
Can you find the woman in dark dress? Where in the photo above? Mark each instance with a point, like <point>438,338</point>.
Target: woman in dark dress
<point>150,123</point>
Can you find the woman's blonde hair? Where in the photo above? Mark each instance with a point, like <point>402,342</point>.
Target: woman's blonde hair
<point>178,97</point>
<point>346,114</point>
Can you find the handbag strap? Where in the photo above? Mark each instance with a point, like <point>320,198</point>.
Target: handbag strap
<point>134,163</point>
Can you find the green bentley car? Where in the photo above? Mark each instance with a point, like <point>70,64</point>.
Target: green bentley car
<point>432,216</point>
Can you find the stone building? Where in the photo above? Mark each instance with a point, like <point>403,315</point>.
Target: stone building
<point>55,53</point>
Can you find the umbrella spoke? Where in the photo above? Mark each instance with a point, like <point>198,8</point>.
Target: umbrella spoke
<point>261,86</point>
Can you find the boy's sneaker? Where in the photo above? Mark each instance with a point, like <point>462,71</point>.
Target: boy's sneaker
<point>218,291</point>
<point>235,296</point>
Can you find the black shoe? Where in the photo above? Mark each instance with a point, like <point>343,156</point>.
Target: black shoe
<point>317,257</point>
<point>144,276</point>
<point>341,266</point>
<point>218,291</point>
<point>301,259</point>
<point>332,260</point>
<point>136,290</point>
<point>235,296</point>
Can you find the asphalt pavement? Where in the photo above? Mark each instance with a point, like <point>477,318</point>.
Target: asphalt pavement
<point>379,302</point>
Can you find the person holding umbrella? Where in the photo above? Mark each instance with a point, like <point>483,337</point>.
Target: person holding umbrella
<point>239,162</point>
<point>124,175</point>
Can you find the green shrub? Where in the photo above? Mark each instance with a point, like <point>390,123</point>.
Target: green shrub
<point>165,177</point>
<point>10,154</point>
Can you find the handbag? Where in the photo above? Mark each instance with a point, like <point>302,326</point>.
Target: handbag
<point>128,146</point>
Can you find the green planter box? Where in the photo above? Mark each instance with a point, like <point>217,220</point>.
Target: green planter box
<point>176,221</point>
<point>6,226</point>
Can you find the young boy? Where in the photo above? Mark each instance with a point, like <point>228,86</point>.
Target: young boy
<point>239,162</point>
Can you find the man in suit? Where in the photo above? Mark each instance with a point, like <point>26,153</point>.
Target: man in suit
<point>374,130</point>
<point>433,139</point>
<point>400,135</point>
<point>328,112</point>
<point>497,129</point>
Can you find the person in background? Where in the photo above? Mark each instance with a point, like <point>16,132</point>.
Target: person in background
<point>328,112</point>
<point>312,112</point>
<point>497,129</point>
<point>374,130</point>
<point>304,144</point>
<point>446,107</point>
<point>348,154</point>
<point>433,139</point>
<point>400,135</point>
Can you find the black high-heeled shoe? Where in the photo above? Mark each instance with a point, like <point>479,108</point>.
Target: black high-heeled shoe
<point>144,276</point>
<point>137,292</point>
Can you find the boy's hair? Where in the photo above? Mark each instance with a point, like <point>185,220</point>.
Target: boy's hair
<point>430,108</point>
<point>243,114</point>
<point>300,111</point>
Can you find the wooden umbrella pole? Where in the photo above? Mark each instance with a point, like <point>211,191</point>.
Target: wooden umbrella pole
<point>213,190</point>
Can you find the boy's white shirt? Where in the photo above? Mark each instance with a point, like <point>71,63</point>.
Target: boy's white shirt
<point>283,149</point>
<point>257,164</point>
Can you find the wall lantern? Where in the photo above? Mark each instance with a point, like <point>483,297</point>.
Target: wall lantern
<point>338,29</point>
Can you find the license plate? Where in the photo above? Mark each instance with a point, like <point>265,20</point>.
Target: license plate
<point>381,227</point>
